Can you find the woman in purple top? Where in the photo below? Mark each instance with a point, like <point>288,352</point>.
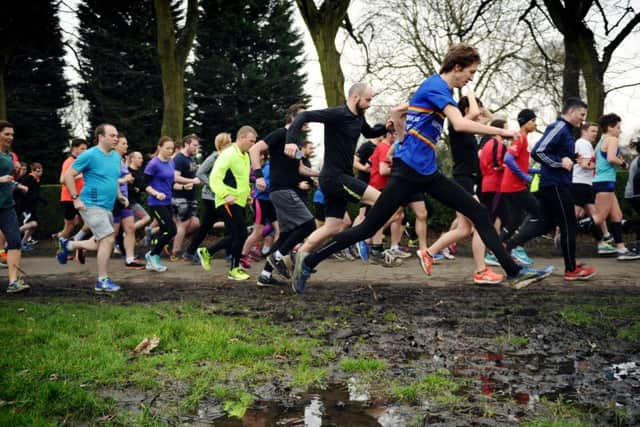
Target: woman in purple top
<point>123,217</point>
<point>159,179</point>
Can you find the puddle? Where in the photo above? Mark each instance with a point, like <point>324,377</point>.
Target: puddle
<point>622,371</point>
<point>338,405</point>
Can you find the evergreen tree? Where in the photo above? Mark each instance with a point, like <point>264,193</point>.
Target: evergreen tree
<point>247,67</point>
<point>35,88</point>
<point>120,68</point>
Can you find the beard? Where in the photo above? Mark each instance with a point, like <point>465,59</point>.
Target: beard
<point>360,110</point>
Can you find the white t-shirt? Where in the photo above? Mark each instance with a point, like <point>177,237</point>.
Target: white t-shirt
<point>581,175</point>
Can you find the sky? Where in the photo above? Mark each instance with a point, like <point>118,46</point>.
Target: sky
<point>625,102</point>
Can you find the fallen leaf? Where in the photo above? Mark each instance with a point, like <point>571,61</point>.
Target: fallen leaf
<point>21,310</point>
<point>146,345</point>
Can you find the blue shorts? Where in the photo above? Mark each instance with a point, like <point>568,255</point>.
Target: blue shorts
<point>604,187</point>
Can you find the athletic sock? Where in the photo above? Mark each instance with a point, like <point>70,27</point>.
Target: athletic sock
<point>277,255</point>
<point>130,259</point>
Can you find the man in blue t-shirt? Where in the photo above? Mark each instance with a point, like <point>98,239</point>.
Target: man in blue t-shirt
<point>415,169</point>
<point>184,202</point>
<point>100,168</point>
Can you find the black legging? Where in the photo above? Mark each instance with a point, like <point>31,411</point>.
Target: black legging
<point>557,209</point>
<point>403,183</point>
<point>164,216</point>
<point>236,229</point>
<point>209,217</point>
<point>519,202</point>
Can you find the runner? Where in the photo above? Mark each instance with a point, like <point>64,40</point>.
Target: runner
<point>296,222</point>
<point>123,217</point>
<point>229,181</point>
<point>555,151</point>
<point>343,126</point>
<point>71,216</point>
<point>415,169</point>
<point>466,172</point>
<point>608,156</point>
<point>135,190</point>
<point>159,176</point>
<point>184,203</point>
<point>209,215</point>
<point>10,231</point>
<point>100,168</point>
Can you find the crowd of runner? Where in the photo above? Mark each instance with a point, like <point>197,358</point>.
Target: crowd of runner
<point>505,192</point>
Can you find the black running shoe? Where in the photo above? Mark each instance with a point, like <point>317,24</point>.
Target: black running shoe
<point>266,282</point>
<point>280,266</point>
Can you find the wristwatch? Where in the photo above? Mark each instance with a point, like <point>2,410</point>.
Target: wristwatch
<point>74,197</point>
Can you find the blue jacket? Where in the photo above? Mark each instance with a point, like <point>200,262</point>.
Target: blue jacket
<point>556,142</point>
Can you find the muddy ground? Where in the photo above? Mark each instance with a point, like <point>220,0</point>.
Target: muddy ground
<point>419,326</point>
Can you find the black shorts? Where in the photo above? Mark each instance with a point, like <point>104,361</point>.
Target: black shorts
<point>265,212</point>
<point>338,191</point>
<point>470,183</point>
<point>583,194</point>
<point>319,211</point>
<point>68,210</point>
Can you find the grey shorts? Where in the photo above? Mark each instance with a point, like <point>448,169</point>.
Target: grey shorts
<point>99,220</point>
<point>290,209</point>
<point>184,209</point>
<point>138,211</point>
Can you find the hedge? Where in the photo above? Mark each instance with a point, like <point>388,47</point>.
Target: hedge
<point>440,217</point>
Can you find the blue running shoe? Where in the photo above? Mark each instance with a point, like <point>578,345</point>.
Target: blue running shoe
<point>62,252</point>
<point>490,259</point>
<point>438,257</point>
<point>301,273</point>
<point>106,285</point>
<point>520,256</point>
<point>363,250</point>
<point>527,276</point>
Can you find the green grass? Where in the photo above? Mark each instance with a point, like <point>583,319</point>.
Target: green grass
<point>362,365</point>
<point>440,387</point>
<point>56,356</point>
<point>514,340</point>
<point>619,315</point>
<point>558,413</point>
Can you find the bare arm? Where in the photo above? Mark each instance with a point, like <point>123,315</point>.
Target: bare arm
<point>305,171</point>
<point>254,154</point>
<point>461,124</point>
<point>384,168</point>
<point>612,150</point>
<point>398,117</point>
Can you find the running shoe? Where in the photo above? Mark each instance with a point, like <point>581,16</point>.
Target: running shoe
<point>205,258</point>
<point>265,250</point>
<point>270,281</point>
<point>338,255</point>
<point>605,248</point>
<point>238,274</point>
<point>81,255</point>
<point>17,286</point>
<point>279,265</point>
<point>353,251</point>
<point>134,265</point>
<point>438,257</point>
<point>520,256</point>
<point>628,255</point>
<point>346,254</point>
<point>490,259</point>
<point>63,252</point>
<point>191,258</point>
<point>397,252</point>
<point>585,224</point>
<point>106,285</point>
<point>117,250</point>
<point>426,261</point>
<point>153,263</point>
<point>167,250</point>
<point>446,252</point>
<point>363,250</point>
<point>527,276</point>
<point>608,238</point>
<point>301,273</point>
<point>385,258</point>
<point>254,254</point>
<point>32,242</point>
<point>413,243</point>
<point>487,277</point>
<point>582,272</point>
<point>3,256</point>
<point>26,247</point>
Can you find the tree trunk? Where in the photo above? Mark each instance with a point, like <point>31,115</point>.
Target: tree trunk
<point>571,72</point>
<point>173,54</point>
<point>323,24</point>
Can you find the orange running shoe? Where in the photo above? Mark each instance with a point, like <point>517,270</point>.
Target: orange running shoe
<point>487,277</point>
<point>426,261</point>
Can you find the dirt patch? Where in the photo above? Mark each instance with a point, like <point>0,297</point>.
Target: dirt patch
<point>513,349</point>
